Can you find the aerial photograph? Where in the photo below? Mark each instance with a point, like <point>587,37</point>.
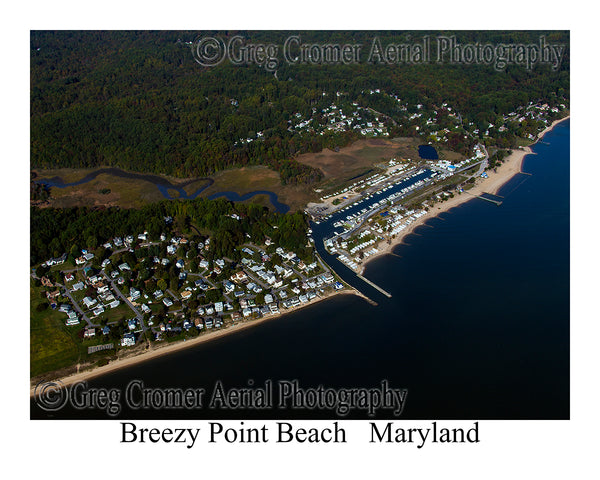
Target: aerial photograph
<point>311,225</point>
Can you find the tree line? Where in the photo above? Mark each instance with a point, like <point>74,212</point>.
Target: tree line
<point>138,100</point>
<point>57,231</point>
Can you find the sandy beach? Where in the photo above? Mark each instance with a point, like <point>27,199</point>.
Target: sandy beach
<point>163,348</point>
<point>511,166</point>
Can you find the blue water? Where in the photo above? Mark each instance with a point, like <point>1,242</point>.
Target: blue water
<point>477,327</point>
<point>235,197</point>
<point>427,152</point>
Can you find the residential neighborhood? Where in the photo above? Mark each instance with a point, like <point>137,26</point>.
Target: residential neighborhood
<point>144,289</point>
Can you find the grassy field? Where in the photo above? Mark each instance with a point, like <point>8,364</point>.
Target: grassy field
<point>109,190</point>
<point>52,345</point>
<point>122,192</point>
<point>248,179</point>
<point>353,160</point>
<point>112,315</point>
<point>339,168</point>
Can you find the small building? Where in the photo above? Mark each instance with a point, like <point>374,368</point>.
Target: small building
<point>89,332</point>
<point>186,294</point>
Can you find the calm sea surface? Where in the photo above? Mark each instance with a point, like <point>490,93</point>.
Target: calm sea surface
<point>477,326</point>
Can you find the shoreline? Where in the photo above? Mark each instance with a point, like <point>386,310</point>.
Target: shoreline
<point>163,348</point>
<point>511,166</point>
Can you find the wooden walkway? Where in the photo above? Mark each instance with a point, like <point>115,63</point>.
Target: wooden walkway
<point>376,287</point>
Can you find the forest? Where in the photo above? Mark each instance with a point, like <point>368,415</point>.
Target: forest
<point>58,231</point>
<point>139,101</point>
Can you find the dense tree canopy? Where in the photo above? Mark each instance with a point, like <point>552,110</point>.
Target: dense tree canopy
<point>58,231</point>
<point>139,101</point>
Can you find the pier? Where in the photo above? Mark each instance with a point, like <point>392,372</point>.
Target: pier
<point>489,197</point>
<point>376,287</point>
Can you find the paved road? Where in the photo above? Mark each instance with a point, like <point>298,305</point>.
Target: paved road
<point>78,308</point>
<point>138,315</point>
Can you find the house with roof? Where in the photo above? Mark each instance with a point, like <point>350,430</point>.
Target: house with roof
<point>186,294</point>
<point>239,277</point>
<point>229,287</point>
<point>89,302</point>
<point>89,332</point>
<point>134,294</point>
<point>64,308</point>
<point>128,340</point>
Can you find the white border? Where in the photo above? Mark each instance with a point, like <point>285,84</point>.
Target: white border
<point>532,449</point>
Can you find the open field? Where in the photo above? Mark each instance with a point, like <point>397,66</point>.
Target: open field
<point>248,179</point>
<point>123,192</point>
<point>362,157</point>
<point>110,190</point>
<point>353,160</point>
<point>349,163</point>
<point>112,315</point>
<point>52,344</point>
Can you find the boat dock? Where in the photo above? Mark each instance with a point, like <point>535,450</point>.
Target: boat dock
<point>376,287</point>
<point>488,197</point>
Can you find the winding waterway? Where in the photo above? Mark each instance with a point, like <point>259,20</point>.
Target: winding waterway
<point>165,185</point>
<point>477,325</point>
